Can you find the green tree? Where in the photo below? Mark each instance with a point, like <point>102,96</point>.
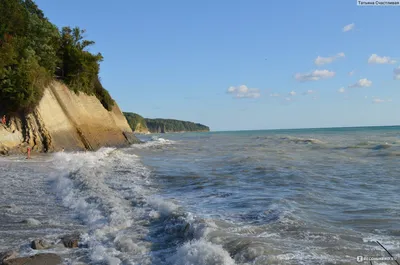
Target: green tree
<point>80,68</point>
<point>22,77</point>
<point>33,51</point>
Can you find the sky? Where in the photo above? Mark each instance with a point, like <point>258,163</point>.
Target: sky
<point>245,65</point>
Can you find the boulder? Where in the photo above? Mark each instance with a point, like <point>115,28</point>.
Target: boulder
<point>40,244</point>
<point>71,241</point>
<point>10,254</point>
<point>39,259</point>
<point>3,151</point>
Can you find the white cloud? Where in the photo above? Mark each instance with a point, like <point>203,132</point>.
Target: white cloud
<point>379,100</point>
<point>274,95</point>
<point>314,76</point>
<point>309,92</point>
<point>396,73</point>
<point>292,93</point>
<point>341,90</point>
<point>244,92</point>
<point>351,73</point>
<point>288,99</point>
<point>348,27</point>
<point>376,59</point>
<point>325,60</point>
<point>362,83</point>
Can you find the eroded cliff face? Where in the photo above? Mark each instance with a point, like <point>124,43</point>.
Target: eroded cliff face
<point>141,129</point>
<point>67,120</point>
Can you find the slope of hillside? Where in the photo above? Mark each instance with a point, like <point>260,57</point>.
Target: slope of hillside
<point>142,125</point>
<point>136,122</point>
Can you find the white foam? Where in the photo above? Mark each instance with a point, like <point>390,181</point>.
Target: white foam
<point>32,222</point>
<point>201,252</point>
<point>164,207</point>
<point>12,208</point>
<point>126,244</point>
<point>388,242</point>
<point>154,142</point>
<point>95,185</point>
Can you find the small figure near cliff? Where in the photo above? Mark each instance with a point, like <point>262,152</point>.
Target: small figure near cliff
<point>29,153</point>
<point>62,150</point>
<point>3,120</point>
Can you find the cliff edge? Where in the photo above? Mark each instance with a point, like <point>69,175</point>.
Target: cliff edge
<point>142,125</point>
<point>137,123</point>
<point>66,120</point>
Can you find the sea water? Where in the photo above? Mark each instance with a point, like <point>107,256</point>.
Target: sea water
<point>315,196</point>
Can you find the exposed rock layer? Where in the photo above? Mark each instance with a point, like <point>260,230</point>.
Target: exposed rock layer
<point>66,120</point>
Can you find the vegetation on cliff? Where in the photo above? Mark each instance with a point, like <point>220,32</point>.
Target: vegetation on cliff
<point>170,125</point>
<point>136,122</point>
<point>33,52</point>
<point>163,125</point>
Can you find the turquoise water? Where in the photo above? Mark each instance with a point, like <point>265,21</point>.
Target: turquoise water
<point>313,196</point>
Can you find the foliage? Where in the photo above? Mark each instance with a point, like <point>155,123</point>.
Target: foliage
<point>79,67</point>
<point>170,125</point>
<point>163,125</point>
<point>23,86</point>
<point>26,37</point>
<point>33,51</point>
<point>135,121</point>
<point>103,95</point>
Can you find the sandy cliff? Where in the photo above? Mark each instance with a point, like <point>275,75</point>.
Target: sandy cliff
<point>67,120</point>
<point>140,129</point>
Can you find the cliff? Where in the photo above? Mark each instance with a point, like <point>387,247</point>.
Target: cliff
<point>171,125</point>
<point>142,125</point>
<point>67,120</point>
<point>136,122</point>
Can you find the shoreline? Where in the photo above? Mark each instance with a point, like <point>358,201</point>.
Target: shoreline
<point>170,132</point>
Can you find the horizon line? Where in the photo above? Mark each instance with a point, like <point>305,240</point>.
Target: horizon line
<point>307,128</point>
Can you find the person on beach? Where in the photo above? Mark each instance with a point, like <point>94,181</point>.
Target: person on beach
<point>28,153</point>
<point>3,120</point>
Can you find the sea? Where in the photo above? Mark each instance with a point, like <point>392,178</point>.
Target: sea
<point>306,196</point>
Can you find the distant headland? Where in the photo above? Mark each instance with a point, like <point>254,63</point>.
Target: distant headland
<point>139,124</point>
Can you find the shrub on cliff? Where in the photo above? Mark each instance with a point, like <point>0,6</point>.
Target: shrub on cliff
<point>33,52</point>
<point>28,45</point>
<point>79,68</point>
<point>135,121</point>
<point>103,95</point>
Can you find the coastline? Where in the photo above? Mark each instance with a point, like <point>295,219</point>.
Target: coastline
<point>170,132</point>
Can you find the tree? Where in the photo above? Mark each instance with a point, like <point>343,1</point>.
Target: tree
<point>80,67</point>
<point>33,51</point>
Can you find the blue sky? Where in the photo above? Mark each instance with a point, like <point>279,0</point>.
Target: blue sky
<point>224,63</point>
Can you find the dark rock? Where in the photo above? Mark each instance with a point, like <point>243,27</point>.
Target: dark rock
<point>40,244</point>
<point>71,241</point>
<point>39,259</point>
<point>131,138</point>
<point>3,151</point>
<point>11,254</point>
